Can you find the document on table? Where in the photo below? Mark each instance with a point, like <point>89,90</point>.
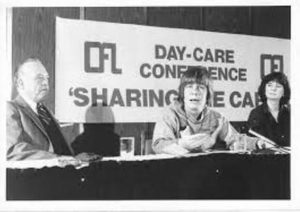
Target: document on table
<point>61,161</point>
<point>167,156</point>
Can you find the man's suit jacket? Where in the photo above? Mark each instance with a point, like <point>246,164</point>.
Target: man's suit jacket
<point>26,136</point>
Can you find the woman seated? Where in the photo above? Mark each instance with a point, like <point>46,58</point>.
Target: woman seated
<point>272,118</point>
<point>189,124</point>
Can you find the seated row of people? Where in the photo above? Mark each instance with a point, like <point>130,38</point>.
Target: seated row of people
<point>190,125</point>
<point>187,125</point>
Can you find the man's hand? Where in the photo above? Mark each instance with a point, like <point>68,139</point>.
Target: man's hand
<point>88,157</point>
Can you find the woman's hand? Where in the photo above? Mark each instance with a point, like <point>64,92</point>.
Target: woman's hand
<point>262,144</point>
<point>175,149</point>
<point>214,135</point>
<point>200,141</point>
<point>194,142</point>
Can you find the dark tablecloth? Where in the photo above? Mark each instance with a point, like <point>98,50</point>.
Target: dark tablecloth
<point>214,176</point>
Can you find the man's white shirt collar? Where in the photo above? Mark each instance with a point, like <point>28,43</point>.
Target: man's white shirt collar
<point>30,102</point>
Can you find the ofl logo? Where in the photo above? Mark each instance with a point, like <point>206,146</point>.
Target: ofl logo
<point>270,63</point>
<point>99,57</point>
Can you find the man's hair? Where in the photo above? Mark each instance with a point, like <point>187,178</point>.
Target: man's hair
<point>19,68</point>
<point>196,74</point>
<point>281,79</point>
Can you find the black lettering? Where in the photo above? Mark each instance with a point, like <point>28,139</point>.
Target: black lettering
<point>219,55</point>
<point>180,70</point>
<point>218,99</point>
<point>168,96</point>
<point>145,98</point>
<point>158,99</point>
<point>232,101</point>
<point>116,98</point>
<point>80,94</point>
<point>96,96</point>
<point>208,56</point>
<point>102,57</point>
<point>197,54</point>
<point>233,74</point>
<point>158,70</point>
<point>180,51</point>
<point>242,75</point>
<point>133,95</point>
<point>87,57</point>
<point>170,71</point>
<point>160,52</point>
<point>112,47</point>
<point>213,72</point>
<point>172,53</point>
<point>142,70</point>
<point>247,100</point>
<point>223,75</point>
<point>230,56</point>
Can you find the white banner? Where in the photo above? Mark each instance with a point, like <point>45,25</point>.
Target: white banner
<point>108,72</point>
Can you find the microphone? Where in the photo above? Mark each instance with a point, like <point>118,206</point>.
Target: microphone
<point>281,148</point>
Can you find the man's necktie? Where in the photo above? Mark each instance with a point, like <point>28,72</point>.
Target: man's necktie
<point>43,113</point>
<point>59,144</point>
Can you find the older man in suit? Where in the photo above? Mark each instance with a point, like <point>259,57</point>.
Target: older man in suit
<point>32,131</point>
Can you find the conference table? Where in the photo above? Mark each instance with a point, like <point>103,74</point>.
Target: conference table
<point>211,175</point>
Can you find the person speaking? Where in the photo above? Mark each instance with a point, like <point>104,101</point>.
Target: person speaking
<point>189,125</point>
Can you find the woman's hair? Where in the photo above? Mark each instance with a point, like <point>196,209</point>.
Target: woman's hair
<point>281,79</point>
<point>196,74</point>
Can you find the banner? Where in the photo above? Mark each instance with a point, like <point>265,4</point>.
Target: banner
<point>111,72</point>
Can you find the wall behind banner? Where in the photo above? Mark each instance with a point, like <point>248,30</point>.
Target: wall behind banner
<point>33,35</point>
